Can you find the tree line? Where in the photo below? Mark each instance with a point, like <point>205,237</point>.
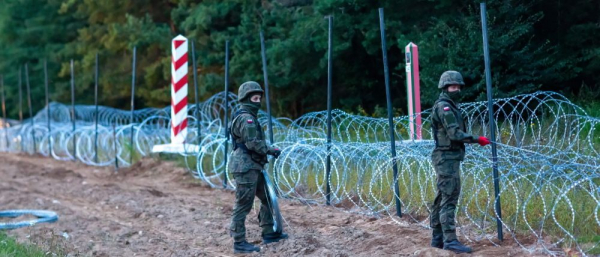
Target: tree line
<point>534,45</point>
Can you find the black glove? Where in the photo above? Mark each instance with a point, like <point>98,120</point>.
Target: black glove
<point>275,152</point>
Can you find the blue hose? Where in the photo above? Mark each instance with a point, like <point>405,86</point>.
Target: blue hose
<point>43,216</point>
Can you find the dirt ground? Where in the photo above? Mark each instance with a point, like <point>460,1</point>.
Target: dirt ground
<point>157,209</point>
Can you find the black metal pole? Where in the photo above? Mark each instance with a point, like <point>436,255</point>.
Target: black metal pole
<point>329,77</point>
<point>195,70</point>
<point>269,121</point>
<point>115,147</point>
<point>132,106</point>
<point>226,122</point>
<point>30,108</point>
<point>389,109</point>
<point>48,108</point>
<point>488,82</point>
<point>264,63</point>
<point>73,110</point>
<point>21,108</point>
<point>96,103</point>
<point>4,113</point>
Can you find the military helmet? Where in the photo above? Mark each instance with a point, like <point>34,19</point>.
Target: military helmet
<point>247,89</point>
<point>450,78</point>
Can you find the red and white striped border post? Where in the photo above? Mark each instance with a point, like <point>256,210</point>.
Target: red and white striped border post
<point>179,89</point>
<point>414,91</point>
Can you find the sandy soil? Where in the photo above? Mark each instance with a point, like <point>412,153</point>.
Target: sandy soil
<point>157,209</point>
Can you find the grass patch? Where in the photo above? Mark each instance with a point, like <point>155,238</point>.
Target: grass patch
<point>10,247</point>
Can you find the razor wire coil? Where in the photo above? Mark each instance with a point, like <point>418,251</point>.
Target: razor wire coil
<point>548,151</point>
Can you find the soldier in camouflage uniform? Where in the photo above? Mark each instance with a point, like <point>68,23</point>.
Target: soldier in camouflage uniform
<point>247,162</point>
<point>450,136</point>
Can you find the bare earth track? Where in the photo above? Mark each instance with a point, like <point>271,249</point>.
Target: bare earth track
<point>157,209</point>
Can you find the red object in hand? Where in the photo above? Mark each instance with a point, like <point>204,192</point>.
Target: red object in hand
<point>275,152</point>
<point>483,141</point>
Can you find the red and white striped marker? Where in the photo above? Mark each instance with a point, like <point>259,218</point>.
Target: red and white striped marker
<point>179,89</point>
<point>414,91</point>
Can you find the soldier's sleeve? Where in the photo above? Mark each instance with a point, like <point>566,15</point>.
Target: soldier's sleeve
<point>249,132</point>
<point>450,122</point>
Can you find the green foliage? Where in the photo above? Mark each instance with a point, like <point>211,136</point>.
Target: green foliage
<point>9,247</point>
<point>534,45</point>
<point>29,32</point>
<point>517,65</point>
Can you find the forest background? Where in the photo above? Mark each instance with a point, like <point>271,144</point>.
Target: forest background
<point>534,45</point>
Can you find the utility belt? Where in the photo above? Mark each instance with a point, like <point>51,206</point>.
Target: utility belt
<point>262,160</point>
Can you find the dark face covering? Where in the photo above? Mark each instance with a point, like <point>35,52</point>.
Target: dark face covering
<point>252,107</point>
<point>455,96</point>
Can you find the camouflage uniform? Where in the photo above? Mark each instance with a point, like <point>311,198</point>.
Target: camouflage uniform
<point>450,137</point>
<point>247,161</point>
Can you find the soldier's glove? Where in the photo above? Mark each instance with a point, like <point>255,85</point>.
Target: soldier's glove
<point>483,141</point>
<point>275,152</point>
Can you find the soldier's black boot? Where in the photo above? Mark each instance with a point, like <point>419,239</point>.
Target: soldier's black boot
<point>437,241</point>
<point>274,237</point>
<point>245,247</point>
<point>456,247</point>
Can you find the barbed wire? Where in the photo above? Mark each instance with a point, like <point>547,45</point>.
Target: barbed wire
<point>548,158</point>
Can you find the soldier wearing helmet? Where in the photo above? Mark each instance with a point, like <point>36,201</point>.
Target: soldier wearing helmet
<point>450,135</point>
<point>249,156</point>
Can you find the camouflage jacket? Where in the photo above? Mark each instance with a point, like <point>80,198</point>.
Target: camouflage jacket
<point>248,138</point>
<point>449,130</point>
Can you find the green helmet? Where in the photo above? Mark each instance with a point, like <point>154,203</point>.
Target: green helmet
<point>247,89</point>
<point>450,78</point>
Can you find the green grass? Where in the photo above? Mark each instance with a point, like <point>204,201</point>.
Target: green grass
<point>11,248</point>
<point>593,240</point>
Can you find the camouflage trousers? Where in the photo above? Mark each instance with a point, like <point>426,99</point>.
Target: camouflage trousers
<point>248,185</point>
<point>444,206</point>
